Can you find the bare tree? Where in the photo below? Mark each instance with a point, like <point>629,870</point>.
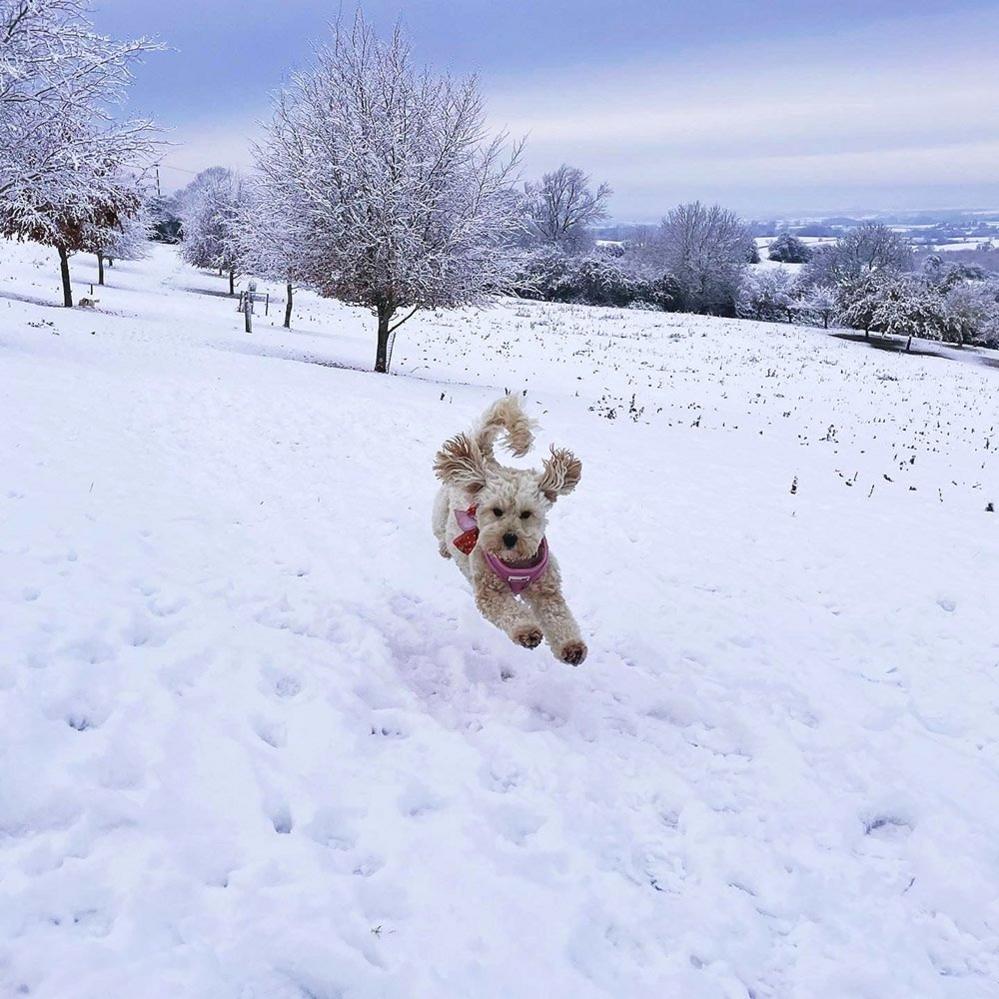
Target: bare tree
<point>563,206</point>
<point>703,248</point>
<point>408,204</point>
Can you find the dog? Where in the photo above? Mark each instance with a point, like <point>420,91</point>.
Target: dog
<point>492,521</point>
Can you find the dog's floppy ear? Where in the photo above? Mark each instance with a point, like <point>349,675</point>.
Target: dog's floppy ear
<point>562,472</point>
<point>459,463</point>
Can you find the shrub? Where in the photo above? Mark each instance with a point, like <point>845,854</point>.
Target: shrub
<point>788,249</point>
<point>596,278</point>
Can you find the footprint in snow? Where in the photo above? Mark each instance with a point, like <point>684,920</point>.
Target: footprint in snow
<point>281,684</point>
<point>368,865</point>
<point>142,633</point>
<point>890,827</point>
<point>280,816</point>
<point>92,651</point>
<point>273,733</point>
<point>166,606</point>
<point>79,721</point>
<point>418,800</point>
<point>334,828</point>
<point>515,823</point>
<point>501,778</point>
<point>389,724</point>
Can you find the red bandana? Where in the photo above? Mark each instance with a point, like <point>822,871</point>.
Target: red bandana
<point>467,541</point>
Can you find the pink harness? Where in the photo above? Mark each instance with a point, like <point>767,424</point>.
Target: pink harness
<point>518,578</point>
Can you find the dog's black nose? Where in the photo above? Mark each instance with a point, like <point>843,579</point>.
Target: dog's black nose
<point>509,540</point>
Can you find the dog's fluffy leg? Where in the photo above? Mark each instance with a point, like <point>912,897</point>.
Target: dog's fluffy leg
<point>441,511</point>
<point>556,620</point>
<point>497,604</point>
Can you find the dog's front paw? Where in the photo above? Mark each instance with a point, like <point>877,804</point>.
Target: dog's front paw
<point>530,637</point>
<point>444,550</point>
<point>573,653</point>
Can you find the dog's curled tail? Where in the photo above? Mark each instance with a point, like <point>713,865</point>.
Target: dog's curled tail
<point>506,417</point>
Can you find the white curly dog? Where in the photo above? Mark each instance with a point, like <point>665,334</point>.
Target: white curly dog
<point>492,520</point>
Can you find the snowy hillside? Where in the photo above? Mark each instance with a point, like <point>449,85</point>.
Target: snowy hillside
<point>255,740</point>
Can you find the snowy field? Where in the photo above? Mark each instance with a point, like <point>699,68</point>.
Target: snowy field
<point>255,739</point>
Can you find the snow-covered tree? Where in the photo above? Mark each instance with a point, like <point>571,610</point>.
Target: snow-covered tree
<point>211,212</point>
<point>859,301</point>
<point>971,313</point>
<point>408,204</point>
<point>132,241</point>
<point>867,249</point>
<point>788,249</point>
<point>766,295</point>
<point>563,206</point>
<point>704,249</point>
<point>821,304</point>
<point>275,232</point>
<point>62,150</point>
<point>120,232</point>
<point>944,275</point>
<point>907,307</point>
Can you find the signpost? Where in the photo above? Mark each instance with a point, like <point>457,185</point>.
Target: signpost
<point>246,303</point>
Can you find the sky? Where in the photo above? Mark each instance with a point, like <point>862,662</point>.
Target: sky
<point>771,107</point>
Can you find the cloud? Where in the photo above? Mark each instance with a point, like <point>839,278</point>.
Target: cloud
<point>902,110</point>
<point>885,108</point>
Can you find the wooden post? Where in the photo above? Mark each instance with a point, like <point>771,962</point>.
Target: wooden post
<point>267,304</point>
<point>248,296</point>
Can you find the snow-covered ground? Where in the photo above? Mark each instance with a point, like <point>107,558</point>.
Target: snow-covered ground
<point>967,244</point>
<point>255,741</point>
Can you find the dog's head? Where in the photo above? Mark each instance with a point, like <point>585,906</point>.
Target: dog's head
<point>512,503</point>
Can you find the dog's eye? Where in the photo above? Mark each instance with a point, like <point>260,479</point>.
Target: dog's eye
<point>497,511</point>
<point>526,515</point>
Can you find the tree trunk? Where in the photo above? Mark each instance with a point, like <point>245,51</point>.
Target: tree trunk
<point>381,356</point>
<point>100,268</point>
<point>908,343</point>
<point>287,308</point>
<point>110,261</point>
<point>232,281</point>
<point>825,322</point>
<point>67,288</point>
